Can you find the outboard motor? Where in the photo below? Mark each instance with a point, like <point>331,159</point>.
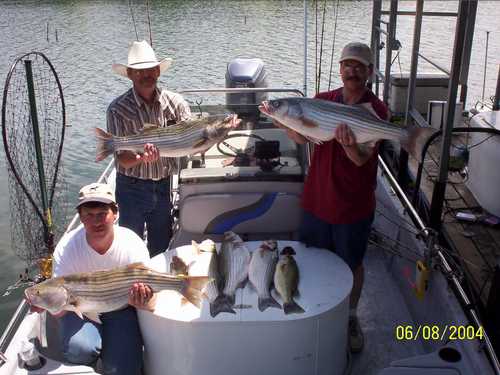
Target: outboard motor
<point>245,73</point>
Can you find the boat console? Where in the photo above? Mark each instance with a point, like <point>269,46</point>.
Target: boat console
<point>181,339</point>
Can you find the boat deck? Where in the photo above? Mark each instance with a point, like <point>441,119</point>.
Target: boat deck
<point>476,245</point>
<point>379,319</point>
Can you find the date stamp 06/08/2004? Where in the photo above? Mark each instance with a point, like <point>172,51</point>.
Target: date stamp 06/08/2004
<point>438,332</point>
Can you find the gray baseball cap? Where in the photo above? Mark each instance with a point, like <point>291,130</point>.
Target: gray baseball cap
<point>357,51</point>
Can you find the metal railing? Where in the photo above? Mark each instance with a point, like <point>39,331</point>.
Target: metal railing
<point>448,271</point>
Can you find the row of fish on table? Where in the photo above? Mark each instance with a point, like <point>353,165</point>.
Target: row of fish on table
<point>233,265</point>
<point>97,292</point>
<point>315,119</point>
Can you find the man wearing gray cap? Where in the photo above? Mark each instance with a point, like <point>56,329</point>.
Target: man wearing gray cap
<point>339,192</point>
<point>99,245</point>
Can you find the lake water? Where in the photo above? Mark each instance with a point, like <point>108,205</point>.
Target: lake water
<point>201,37</point>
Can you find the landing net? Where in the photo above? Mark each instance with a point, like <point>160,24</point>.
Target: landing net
<point>33,124</point>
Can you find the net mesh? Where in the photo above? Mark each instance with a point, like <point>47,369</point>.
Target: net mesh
<point>29,225</point>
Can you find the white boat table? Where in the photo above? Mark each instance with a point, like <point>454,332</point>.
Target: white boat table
<point>181,339</point>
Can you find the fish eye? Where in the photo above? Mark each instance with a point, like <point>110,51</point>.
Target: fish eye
<point>275,103</point>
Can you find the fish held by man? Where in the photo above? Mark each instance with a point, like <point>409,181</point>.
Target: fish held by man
<point>181,139</point>
<point>286,281</point>
<point>261,273</point>
<point>317,119</point>
<point>103,291</point>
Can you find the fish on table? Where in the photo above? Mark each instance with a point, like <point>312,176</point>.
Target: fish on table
<point>286,281</point>
<point>181,139</point>
<point>234,260</point>
<point>261,273</point>
<point>207,262</point>
<point>103,291</point>
<point>317,119</point>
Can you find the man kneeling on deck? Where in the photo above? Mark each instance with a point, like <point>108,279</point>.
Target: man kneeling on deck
<point>101,245</point>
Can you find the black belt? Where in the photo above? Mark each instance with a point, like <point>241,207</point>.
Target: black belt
<point>135,180</point>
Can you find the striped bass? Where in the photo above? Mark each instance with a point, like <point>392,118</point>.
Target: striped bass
<point>233,262</point>
<point>181,139</point>
<point>207,263</point>
<point>261,273</point>
<point>103,291</point>
<point>317,119</point>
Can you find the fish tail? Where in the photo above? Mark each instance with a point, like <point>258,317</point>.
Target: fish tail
<point>292,308</point>
<point>416,139</point>
<point>192,289</point>
<point>105,144</point>
<point>221,304</point>
<point>264,303</point>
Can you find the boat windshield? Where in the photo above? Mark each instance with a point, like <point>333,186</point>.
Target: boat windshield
<point>257,150</point>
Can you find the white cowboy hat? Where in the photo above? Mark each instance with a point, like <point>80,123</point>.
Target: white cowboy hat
<point>141,56</point>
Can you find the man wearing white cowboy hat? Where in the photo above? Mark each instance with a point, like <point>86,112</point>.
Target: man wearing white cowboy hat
<point>143,179</point>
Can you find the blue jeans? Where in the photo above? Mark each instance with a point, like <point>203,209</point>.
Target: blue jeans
<point>146,202</point>
<point>348,241</point>
<point>117,341</point>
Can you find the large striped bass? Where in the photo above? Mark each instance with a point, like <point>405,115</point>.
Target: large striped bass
<point>102,291</point>
<point>181,139</point>
<point>207,263</point>
<point>261,273</point>
<point>234,260</point>
<point>317,119</point>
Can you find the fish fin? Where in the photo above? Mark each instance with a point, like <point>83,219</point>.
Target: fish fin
<point>200,143</point>
<point>415,140</point>
<point>242,283</point>
<point>139,265</point>
<point>221,304</point>
<point>367,147</point>
<point>93,316</point>
<point>192,289</point>
<point>73,307</point>
<point>105,144</point>
<point>148,128</point>
<point>313,140</point>
<point>196,247</point>
<point>264,303</point>
<point>292,308</point>
<point>368,108</point>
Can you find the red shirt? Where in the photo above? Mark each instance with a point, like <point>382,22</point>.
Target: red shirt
<point>337,190</point>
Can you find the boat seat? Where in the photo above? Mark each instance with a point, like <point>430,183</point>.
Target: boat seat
<point>255,210</point>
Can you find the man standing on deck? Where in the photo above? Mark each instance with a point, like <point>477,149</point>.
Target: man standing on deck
<point>143,180</point>
<point>101,245</point>
<point>339,192</point>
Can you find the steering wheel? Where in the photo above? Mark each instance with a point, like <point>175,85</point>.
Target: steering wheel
<point>236,152</point>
